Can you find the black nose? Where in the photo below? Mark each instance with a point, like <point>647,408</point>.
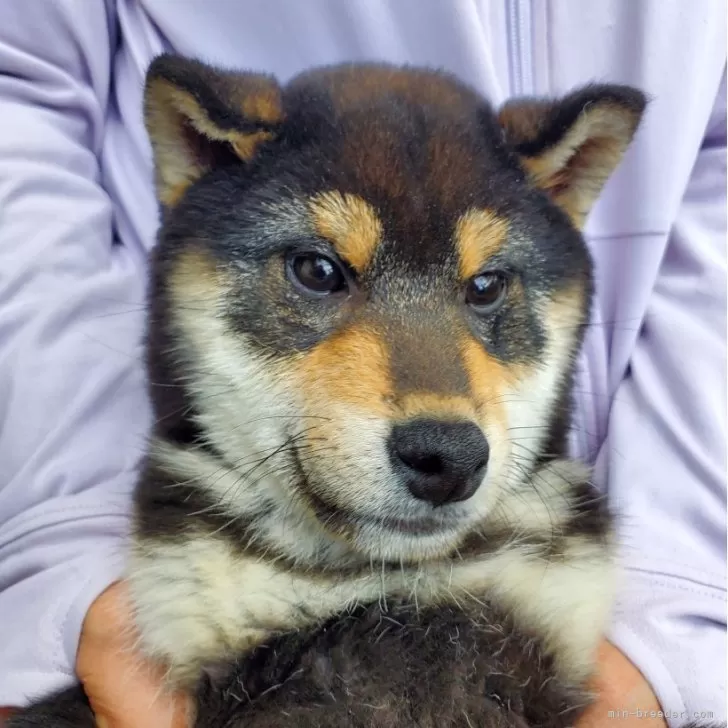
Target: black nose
<point>441,462</point>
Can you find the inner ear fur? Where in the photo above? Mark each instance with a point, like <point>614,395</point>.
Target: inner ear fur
<point>571,146</point>
<point>196,116</point>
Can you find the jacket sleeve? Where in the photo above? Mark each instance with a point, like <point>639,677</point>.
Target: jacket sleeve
<point>667,463</point>
<point>73,408</point>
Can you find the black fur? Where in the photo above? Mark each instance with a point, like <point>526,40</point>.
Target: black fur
<point>393,669</point>
<point>68,709</point>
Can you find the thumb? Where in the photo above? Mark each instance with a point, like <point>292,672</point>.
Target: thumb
<point>124,689</point>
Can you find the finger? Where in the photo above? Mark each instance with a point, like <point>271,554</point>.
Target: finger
<point>621,691</point>
<point>165,714</point>
<point>126,692</point>
<point>143,711</point>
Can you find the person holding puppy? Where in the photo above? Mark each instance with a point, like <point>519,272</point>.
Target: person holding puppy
<point>78,220</point>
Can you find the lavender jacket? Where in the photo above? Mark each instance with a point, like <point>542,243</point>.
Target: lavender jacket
<point>78,217</point>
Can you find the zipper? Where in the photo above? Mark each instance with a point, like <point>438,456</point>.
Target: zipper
<point>520,41</point>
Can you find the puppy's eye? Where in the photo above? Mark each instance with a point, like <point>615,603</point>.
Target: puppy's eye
<point>315,273</point>
<point>486,291</point>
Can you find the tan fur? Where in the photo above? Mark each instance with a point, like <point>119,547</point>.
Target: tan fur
<point>246,145</point>
<point>196,277</point>
<point>479,235</point>
<point>351,366</point>
<point>438,406</point>
<point>575,170</point>
<point>171,196</point>
<point>490,380</point>
<point>175,168</point>
<point>262,102</point>
<point>168,109</point>
<point>564,312</point>
<point>350,224</point>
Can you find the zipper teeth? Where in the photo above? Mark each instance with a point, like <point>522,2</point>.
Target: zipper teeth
<point>515,38</point>
<point>526,46</point>
<point>519,28</point>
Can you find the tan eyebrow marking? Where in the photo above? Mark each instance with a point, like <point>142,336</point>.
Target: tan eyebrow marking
<point>479,234</point>
<point>350,224</point>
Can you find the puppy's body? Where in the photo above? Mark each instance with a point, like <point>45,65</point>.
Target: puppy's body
<point>367,299</point>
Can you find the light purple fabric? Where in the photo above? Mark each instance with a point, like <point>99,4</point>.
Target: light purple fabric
<point>77,218</point>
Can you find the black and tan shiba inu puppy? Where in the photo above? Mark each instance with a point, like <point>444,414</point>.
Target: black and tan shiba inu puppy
<point>366,302</point>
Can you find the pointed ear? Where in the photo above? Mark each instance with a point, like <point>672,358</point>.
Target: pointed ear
<point>197,117</point>
<point>571,146</point>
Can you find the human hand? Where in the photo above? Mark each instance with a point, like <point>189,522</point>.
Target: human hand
<point>624,697</point>
<point>125,690</point>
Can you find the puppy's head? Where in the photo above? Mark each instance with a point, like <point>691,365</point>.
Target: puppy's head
<point>369,289</point>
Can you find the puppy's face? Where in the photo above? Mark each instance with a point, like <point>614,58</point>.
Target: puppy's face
<point>371,289</point>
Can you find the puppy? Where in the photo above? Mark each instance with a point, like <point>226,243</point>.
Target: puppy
<point>366,301</point>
